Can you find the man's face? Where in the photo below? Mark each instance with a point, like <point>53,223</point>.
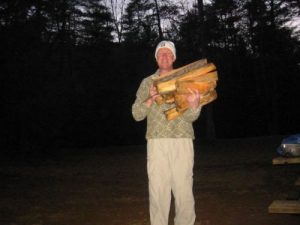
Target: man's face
<point>165,59</point>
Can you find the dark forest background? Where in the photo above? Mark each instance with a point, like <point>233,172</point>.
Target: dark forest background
<point>70,69</point>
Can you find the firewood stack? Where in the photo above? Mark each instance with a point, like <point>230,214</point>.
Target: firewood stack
<point>175,86</point>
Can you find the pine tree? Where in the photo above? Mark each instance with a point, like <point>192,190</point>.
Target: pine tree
<point>96,23</point>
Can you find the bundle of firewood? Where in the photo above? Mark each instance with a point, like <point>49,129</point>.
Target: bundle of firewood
<point>174,87</point>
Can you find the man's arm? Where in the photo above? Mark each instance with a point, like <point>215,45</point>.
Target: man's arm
<point>194,109</point>
<point>190,115</point>
<point>140,108</point>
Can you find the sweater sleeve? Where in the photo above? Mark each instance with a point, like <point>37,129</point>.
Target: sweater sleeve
<point>190,115</point>
<point>139,108</point>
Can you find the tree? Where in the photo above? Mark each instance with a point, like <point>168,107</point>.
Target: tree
<point>96,23</point>
<point>139,23</point>
<point>117,8</point>
<point>210,125</point>
<point>150,21</point>
<point>167,14</point>
<point>157,13</point>
<point>267,21</point>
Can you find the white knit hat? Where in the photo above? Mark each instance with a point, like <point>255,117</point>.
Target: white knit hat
<point>166,44</point>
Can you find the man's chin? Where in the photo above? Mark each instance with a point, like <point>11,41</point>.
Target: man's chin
<point>166,66</point>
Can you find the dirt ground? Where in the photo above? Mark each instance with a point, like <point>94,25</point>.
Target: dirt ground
<point>234,183</point>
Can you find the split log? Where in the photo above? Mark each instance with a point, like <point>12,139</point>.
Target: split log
<point>181,71</point>
<point>211,76</point>
<point>173,113</point>
<point>159,100</point>
<point>197,73</point>
<point>184,87</point>
<point>169,98</point>
<point>174,74</point>
<point>169,85</point>
<point>182,103</point>
<point>175,86</point>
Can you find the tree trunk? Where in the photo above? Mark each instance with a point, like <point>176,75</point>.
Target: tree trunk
<point>201,27</point>
<point>161,36</point>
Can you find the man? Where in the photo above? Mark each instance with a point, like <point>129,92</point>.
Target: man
<point>170,152</point>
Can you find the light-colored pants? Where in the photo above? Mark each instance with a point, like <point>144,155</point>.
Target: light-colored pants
<point>170,169</point>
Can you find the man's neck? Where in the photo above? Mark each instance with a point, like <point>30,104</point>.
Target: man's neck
<point>162,72</point>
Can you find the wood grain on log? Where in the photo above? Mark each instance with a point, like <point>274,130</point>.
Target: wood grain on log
<point>169,85</point>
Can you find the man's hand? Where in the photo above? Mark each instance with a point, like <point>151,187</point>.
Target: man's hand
<point>193,99</point>
<point>153,94</point>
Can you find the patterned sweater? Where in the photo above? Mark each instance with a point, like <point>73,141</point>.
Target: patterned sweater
<point>157,124</point>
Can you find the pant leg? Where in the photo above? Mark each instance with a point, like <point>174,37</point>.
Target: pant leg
<point>182,181</point>
<point>159,175</point>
